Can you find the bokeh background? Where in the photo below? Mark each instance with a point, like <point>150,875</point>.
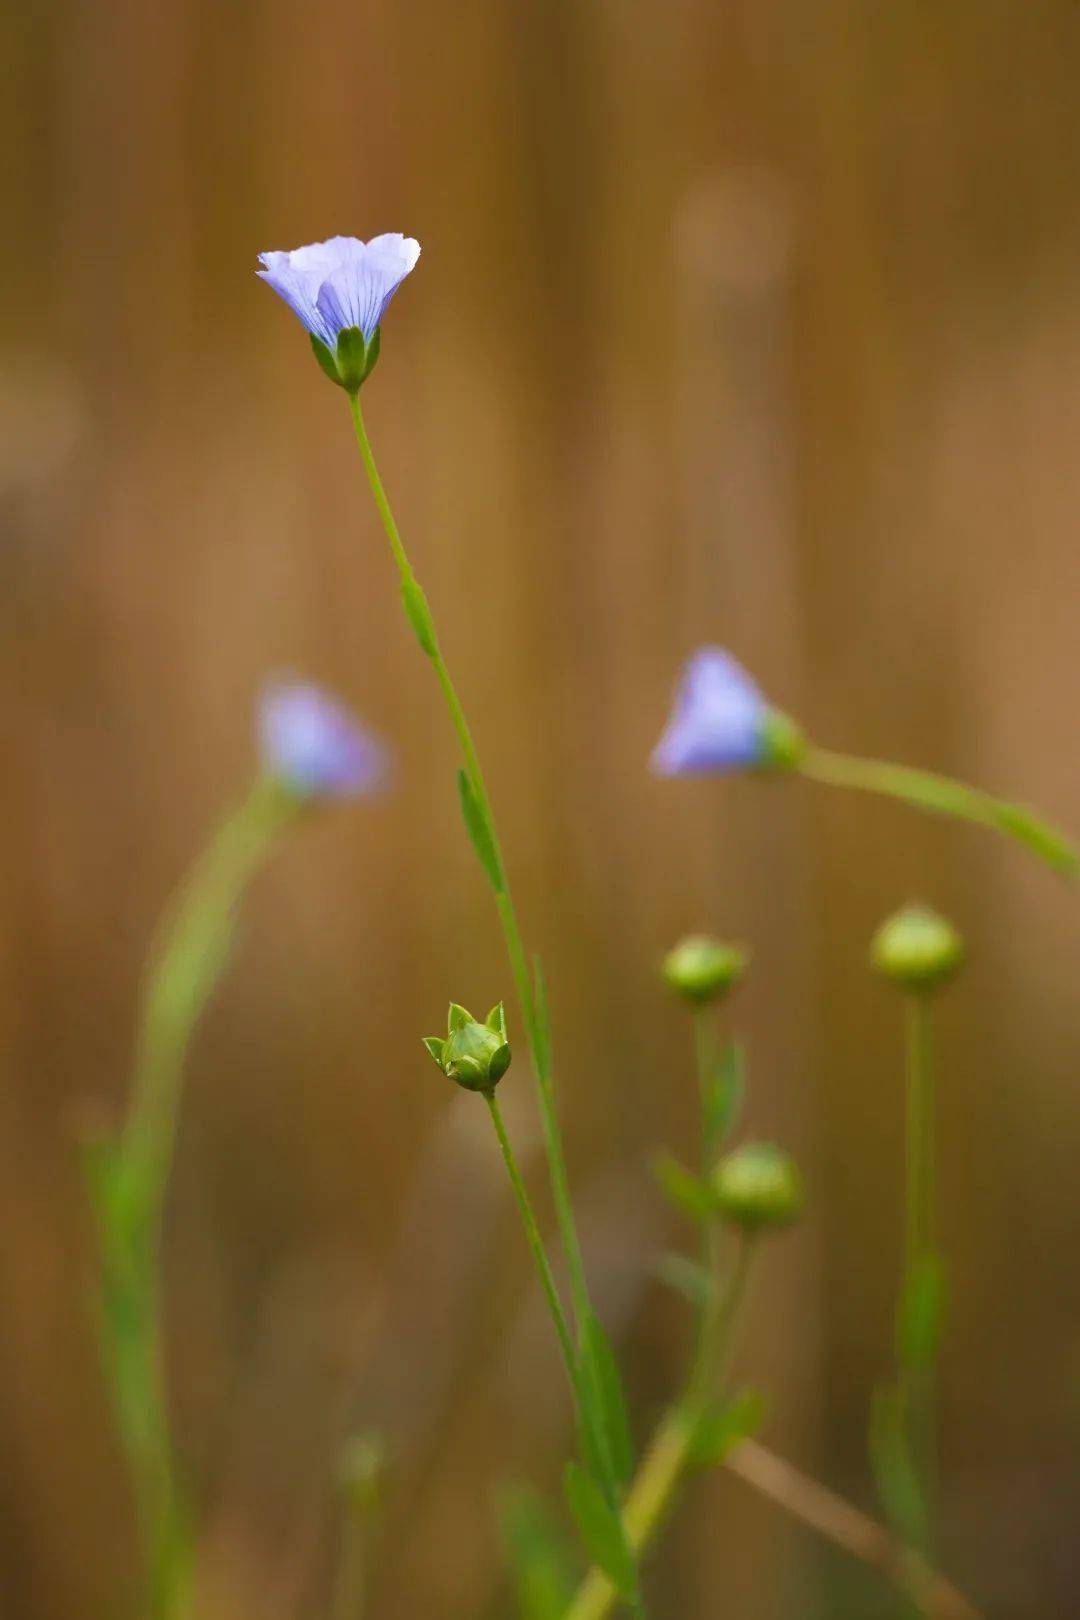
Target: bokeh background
<point>755,323</point>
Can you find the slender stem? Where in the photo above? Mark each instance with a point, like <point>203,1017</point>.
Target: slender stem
<point>504,901</point>
<point>917,1379</point>
<point>184,965</point>
<point>708,1312</point>
<point>350,1590</point>
<point>651,1496</point>
<point>532,1233</point>
<point>814,1505</point>
<point>668,1456</point>
<point>925,790</point>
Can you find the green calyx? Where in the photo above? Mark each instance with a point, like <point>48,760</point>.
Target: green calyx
<point>473,1055</point>
<point>758,1186</point>
<point>701,970</point>
<point>783,746</point>
<point>351,362</point>
<point>917,949</point>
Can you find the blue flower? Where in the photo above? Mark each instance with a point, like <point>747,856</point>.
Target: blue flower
<point>341,283</point>
<point>314,746</point>
<point>719,722</point>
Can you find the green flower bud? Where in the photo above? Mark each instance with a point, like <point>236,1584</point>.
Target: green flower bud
<point>917,949</point>
<point>701,969</point>
<point>758,1186</point>
<point>474,1055</point>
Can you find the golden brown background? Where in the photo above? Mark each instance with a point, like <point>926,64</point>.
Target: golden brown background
<point>751,322</point>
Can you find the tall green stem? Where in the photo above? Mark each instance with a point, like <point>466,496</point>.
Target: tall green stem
<point>926,790</point>
<point>130,1177</point>
<point>419,616</point>
<point>921,1263</point>
<point>670,1452</point>
<point>708,1312</point>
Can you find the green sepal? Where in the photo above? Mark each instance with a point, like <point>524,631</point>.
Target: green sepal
<point>326,360</point>
<point>721,1429</point>
<point>374,348</point>
<point>682,1188</point>
<point>458,1017</point>
<point>496,1019</point>
<point>500,1061</point>
<point>601,1529</point>
<point>468,1073</point>
<point>351,355</point>
<point>435,1047</point>
<point>783,746</point>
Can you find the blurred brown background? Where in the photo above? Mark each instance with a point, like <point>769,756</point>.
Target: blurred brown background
<point>748,322</point>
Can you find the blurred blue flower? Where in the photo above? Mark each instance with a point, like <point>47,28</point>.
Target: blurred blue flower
<point>341,283</point>
<point>314,746</point>
<point>719,721</point>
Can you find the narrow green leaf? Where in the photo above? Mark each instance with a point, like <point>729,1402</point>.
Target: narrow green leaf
<point>351,355</point>
<point>688,1277</point>
<point>599,1370</point>
<point>601,1529</point>
<point>920,1314</point>
<point>682,1188</point>
<point>723,1096</point>
<point>418,614</point>
<point>722,1429</point>
<point>476,825</point>
<point>540,1561</point>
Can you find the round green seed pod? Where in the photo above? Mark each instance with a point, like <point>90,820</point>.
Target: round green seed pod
<point>758,1186</point>
<point>476,1057</point>
<point>917,949</point>
<point>701,970</point>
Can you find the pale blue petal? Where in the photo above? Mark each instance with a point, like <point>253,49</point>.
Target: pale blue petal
<point>341,282</point>
<point>358,289</point>
<point>717,722</point>
<point>299,287</point>
<point>313,745</point>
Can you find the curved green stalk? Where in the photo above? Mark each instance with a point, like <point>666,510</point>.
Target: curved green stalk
<point>925,790</point>
<point>533,1015</point>
<point>129,1178</point>
<point>669,1455</point>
